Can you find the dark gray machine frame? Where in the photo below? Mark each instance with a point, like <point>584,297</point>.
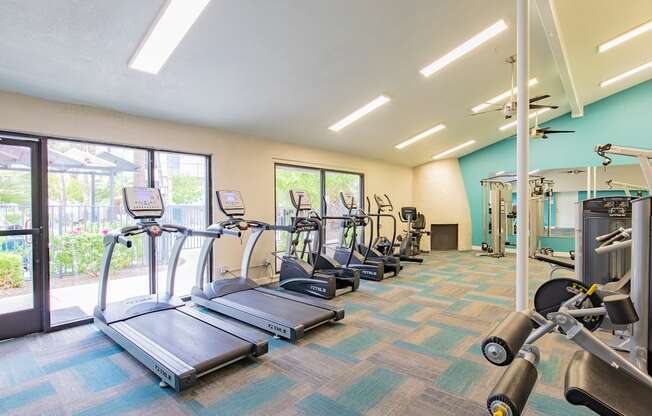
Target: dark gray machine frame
<point>214,296</point>
<point>113,319</point>
<point>594,218</point>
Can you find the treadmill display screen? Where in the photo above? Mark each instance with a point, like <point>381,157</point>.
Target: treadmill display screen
<point>143,202</point>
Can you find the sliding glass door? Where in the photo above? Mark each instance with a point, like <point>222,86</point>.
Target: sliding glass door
<point>21,233</point>
<point>334,183</point>
<point>85,202</point>
<point>292,178</point>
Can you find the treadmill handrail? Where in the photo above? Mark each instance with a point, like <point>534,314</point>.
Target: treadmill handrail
<point>227,227</point>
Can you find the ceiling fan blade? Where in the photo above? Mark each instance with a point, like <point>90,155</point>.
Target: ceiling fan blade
<point>560,131</point>
<point>486,111</point>
<point>539,98</point>
<point>552,107</point>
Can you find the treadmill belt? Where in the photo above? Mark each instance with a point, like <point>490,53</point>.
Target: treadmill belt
<point>293,312</point>
<point>195,342</point>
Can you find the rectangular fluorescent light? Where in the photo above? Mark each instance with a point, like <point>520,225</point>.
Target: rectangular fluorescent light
<point>645,27</point>
<point>420,136</point>
<point>626,74</point>
<point>532,172</point>
<point>465,48</point>
<point>358,114</point>
<point>500,172</point>
<point>173,22</point>
<point>532,115</point>
<point>453,150</point>
<point>501,97</point>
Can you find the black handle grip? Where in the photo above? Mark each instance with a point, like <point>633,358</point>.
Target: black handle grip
<point>504,342</point>
<point>513,389</point>
<point>124,241</point>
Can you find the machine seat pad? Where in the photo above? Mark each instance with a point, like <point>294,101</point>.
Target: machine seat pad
<point>605,390</point>
<point>558,261</point>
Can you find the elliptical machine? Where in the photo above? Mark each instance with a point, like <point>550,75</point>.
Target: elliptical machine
<point>386,246</point>
<point>391,261</point>
<point>347,252</point>
<point>299,274</point>
<point>410,241</point>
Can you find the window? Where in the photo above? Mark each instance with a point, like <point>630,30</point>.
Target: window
<point>85,202</point>
<point>183,181</point>
<point>320,185</point>
<point>334,183</point>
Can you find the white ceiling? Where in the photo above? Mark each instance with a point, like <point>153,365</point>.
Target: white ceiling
<point>287,69</point>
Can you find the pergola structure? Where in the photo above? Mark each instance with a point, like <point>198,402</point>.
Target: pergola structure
<point>71,161</point>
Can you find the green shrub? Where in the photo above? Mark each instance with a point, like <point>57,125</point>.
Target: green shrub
<point>82,252</point>
<point>11,270</point>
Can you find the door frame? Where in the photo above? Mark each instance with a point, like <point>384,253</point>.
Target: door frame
<point>36,319</point>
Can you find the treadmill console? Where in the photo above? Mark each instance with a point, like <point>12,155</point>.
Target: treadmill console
<point>300,200</point>
<point>230,203</point>
<point>348,200</point>
<point>142,202</point>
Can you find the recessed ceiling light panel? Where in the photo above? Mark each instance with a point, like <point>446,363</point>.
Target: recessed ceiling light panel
<point>420,136</point>
<point>465,48</point>
<point>453,150</point>
<point>361,112</point>
<point>173,22</point>
<point>626,74</point>
<point>645,27</point>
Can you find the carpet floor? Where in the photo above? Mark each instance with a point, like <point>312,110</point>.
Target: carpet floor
<point>408,346</point>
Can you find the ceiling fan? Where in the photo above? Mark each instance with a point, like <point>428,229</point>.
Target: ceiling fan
<point>542,132</point>
<point>509,108</point>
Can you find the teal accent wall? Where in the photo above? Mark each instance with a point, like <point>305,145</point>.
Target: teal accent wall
<point>623,118</point>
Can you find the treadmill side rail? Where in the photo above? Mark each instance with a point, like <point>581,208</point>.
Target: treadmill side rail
<point>169,368</point>
<point>251,317</point>
<point>256,338</point>
<point>338,312</point>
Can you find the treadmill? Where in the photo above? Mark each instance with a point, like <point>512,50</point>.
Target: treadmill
<point>279,312</point>
<point>176,342</point>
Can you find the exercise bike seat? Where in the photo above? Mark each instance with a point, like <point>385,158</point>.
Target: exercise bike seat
<point>557,261</point>
<point>605,390</point>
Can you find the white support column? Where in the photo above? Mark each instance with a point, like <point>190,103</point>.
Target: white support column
<point>522,150</point>
<point>595,181</point>
<point>589,169</point>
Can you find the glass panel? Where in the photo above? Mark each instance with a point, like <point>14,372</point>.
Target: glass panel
<point>293,178</point>
<point>183,181</point>
<point>84,202</point>
<point>336,182</point>
<point>16,282</point>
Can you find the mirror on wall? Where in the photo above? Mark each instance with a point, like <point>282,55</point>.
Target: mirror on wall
<point>555,221</point>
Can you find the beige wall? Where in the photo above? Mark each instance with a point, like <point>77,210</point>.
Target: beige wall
<point>439,193</point>
<point>239,162</point>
